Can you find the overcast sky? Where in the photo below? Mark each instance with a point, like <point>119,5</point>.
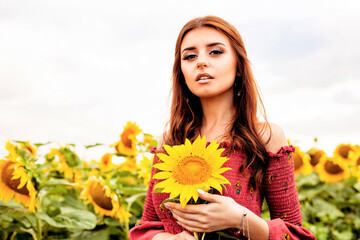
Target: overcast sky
<point>77,71</point>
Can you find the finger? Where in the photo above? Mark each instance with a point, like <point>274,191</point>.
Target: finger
<point>187,216</point>
<point>193,228</point>
<point>191,224</point>
<point>187,209</point>
<point>209,197</point>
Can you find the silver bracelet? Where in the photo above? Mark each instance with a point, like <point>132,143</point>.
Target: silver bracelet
<point>242,225</point>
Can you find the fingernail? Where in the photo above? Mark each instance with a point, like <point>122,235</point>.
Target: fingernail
<point>167,205</point>
<point>200,191</point>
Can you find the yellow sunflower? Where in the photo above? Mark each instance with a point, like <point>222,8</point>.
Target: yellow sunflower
<point>301,162</point>
<point>106,163</point>
<point>315,155</point>
<point>144,170</point>
<point>11,148</point>
<point>127,143</point>
<point>354,157</point>
<point>128,165</point>
<point>343,151</point>
<point>29,147</point>
<point>104,200</point>
<point>332,169</point>
<point>189,167</point>
<point>64,167</point>
<point>15,183</point>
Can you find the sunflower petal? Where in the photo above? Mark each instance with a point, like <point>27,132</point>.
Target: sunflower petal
<point>162,175</point>
<point>163,166</point>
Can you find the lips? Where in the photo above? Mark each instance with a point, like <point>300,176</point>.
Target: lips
<point>203,77</point>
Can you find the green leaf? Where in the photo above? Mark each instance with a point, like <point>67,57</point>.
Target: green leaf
<point>325,209</point>
<point>70,218</point>
<point>91,235</point>
<point>94,145</point>
<point>133,198</point>
<point>307,180</point>
<point>12,210</point>
<point>57,182</point>
<point>175,200</point>
<point>41,144</point>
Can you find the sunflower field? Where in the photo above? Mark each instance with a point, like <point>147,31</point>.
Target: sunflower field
<point>51,193</point>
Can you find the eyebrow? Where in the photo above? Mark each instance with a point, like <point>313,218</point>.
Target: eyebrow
<point>208,45</point>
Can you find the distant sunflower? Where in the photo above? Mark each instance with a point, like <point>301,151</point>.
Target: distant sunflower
<point>343,151</point>
<point>128,165</point>
<point>11,148</point>
<point>104,200</point>
<point>15,183</point>
<point>144,170</point>
<point>332,169</point>
<point>189,167</point>
<point>106,163</point>
<point>29,147</point>
<point>315,155</point>
<point>127,143</point>
<point>301,162</point>
<point>66,162</point>
<point>354,157</point>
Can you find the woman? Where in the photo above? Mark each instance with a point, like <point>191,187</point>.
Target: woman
<point>214,94</point>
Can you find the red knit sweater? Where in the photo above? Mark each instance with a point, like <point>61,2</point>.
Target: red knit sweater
<point>279,191</point>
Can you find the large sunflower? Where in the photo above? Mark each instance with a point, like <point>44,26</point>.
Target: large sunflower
<point>189,167</point>
<point>332,169</point>
<point>301,162</point>
<point>104,200</point>
<point>15,183</point>
<point>127,143</point>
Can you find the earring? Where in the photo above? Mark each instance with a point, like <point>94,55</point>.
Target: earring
<point>238,94</point>
<point>187,100</point>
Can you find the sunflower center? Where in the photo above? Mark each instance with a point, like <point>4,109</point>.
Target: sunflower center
<point>332,168</point>
<point>344,151</point>
<point>7,174</point>
<point>315,158</point>
<point>99,197</point>
<point>125,137</point>
<point>192,170</point>
<point>298,162</point>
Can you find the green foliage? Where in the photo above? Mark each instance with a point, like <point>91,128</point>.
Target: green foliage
<point>329,210</point>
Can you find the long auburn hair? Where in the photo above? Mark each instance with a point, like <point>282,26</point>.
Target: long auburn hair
<point>186,111</point>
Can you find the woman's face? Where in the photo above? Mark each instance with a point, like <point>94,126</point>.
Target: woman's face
<point>208,63</point>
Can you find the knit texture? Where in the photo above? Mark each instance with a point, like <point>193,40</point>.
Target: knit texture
<point>279,190</point>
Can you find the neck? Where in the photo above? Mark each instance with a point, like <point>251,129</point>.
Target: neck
<point>218,114</point>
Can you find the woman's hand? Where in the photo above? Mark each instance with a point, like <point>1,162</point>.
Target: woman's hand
<point>220,213</point>
<point>168,236</point>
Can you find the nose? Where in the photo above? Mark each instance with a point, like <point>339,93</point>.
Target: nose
<point>201,64</point>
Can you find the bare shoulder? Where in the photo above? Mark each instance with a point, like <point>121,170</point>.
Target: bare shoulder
<point>276,134</point>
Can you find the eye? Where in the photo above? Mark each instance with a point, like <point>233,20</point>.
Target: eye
<point>216,51</point>
<point>189,56</point>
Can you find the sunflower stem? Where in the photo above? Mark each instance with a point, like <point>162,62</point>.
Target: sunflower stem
<point>39,234</point>
<point>6,234</point>
<point>13,236</point>
<point>203,236</point>
<point>196,235</point>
